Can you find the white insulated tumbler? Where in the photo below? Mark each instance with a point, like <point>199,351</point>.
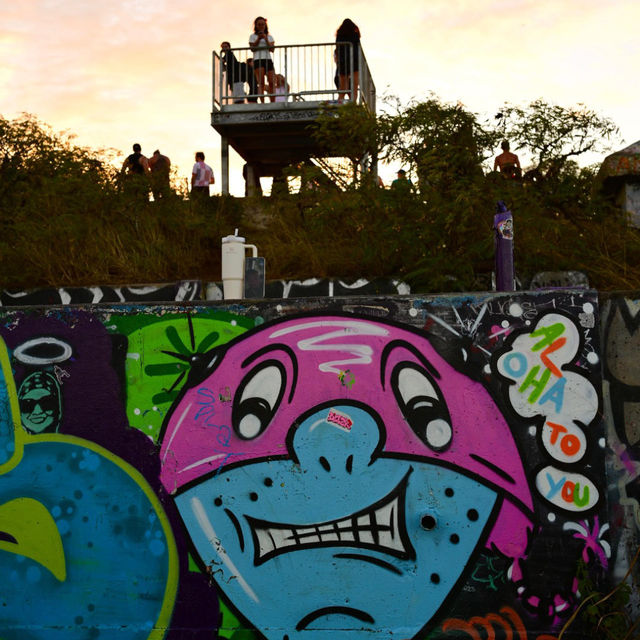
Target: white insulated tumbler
<point>233,255</point>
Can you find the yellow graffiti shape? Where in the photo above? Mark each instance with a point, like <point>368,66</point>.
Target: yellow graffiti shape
<point>12,436</point>
<point>29,523</point>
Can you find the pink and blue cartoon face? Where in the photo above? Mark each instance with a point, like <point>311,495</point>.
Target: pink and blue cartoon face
<point>337,475</point>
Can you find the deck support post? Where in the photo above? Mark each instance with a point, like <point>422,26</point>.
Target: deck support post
<point>224,165</point>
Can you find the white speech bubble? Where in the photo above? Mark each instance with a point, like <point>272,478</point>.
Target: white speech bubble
<point>567,491</point>
<point>564,442</point>
<point>541,387</point>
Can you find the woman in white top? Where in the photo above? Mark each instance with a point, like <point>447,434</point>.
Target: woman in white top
<point>262,44</point>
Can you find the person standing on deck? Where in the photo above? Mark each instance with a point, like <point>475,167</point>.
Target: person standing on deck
<point>262,44</point>
<point>348,73</point>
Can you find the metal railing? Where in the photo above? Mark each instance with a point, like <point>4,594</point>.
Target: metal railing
<point>309,72</point>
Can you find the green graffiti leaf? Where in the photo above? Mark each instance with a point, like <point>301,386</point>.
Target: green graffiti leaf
<point>176,341</point>
<point>35,532</point>
<point>165,396</point>
<point>208,342</point>
<point>231,627</point>
<point>167,369</point>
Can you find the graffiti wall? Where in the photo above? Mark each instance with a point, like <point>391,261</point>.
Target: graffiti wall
<point>621,393</point>
<point>190,290</point>
<point>398,466</point>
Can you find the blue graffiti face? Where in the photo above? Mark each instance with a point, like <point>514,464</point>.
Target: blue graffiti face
<point>372,542</point>
<point>359,477</point>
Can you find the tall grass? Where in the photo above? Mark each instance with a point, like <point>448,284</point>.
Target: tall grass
<point>68,234</point>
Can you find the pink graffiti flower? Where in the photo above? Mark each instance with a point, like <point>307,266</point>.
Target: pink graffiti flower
<point>593,539</point>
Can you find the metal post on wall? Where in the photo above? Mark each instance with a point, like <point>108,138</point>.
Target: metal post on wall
<point>503,234</point>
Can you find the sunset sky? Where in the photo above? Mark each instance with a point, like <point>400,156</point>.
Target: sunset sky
<point>117,72</point>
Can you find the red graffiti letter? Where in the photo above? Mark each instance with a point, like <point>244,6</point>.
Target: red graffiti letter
<point>556,430</point>
<point>570,445</point>
<point>567,491</point>
<point>560,342</point>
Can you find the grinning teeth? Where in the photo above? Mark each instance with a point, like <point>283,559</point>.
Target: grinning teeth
<point>275,538</point>
<point>386,537</point>
<point>380,527</point>
<point>377,528</point>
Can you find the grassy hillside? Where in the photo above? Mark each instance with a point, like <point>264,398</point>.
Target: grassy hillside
<point>66,218</point>
<point>363,233</point>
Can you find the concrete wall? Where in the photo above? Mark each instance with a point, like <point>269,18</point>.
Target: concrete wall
<point>361,467</point>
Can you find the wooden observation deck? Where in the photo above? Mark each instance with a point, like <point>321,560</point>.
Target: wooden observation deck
<point>269,136</point>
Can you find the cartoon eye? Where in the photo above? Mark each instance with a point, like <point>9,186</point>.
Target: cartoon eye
<point>257,400</point>
<point>422,405</point>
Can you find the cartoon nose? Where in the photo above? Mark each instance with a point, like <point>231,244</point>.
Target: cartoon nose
<point>337,438</point>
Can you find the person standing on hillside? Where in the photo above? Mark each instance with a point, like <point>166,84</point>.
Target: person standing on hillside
<point>135,170</point>
<point>201,178</point>
<point>160,167</point>
<point>402,183</point>
<point>136,163</point>
<point>507,162</point>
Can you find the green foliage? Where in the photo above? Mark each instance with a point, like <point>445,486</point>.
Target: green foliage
<point>433,137</point>
<point>603,615</point>
<point>37,165</point>
<point>444,231</point>
<point>372,232</point>
<point>553,134</point>
<point>348,130</point>
<point>67,219</point>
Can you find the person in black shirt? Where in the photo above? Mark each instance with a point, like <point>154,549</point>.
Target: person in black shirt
<point>348,32</point>
<point>134,171</point>
<point>236,72</point>
<point>136,163</point>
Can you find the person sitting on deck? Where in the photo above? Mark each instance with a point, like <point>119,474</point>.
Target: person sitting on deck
<point>282,88</point>
<point>236,72</point>
<point>507,162</point>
